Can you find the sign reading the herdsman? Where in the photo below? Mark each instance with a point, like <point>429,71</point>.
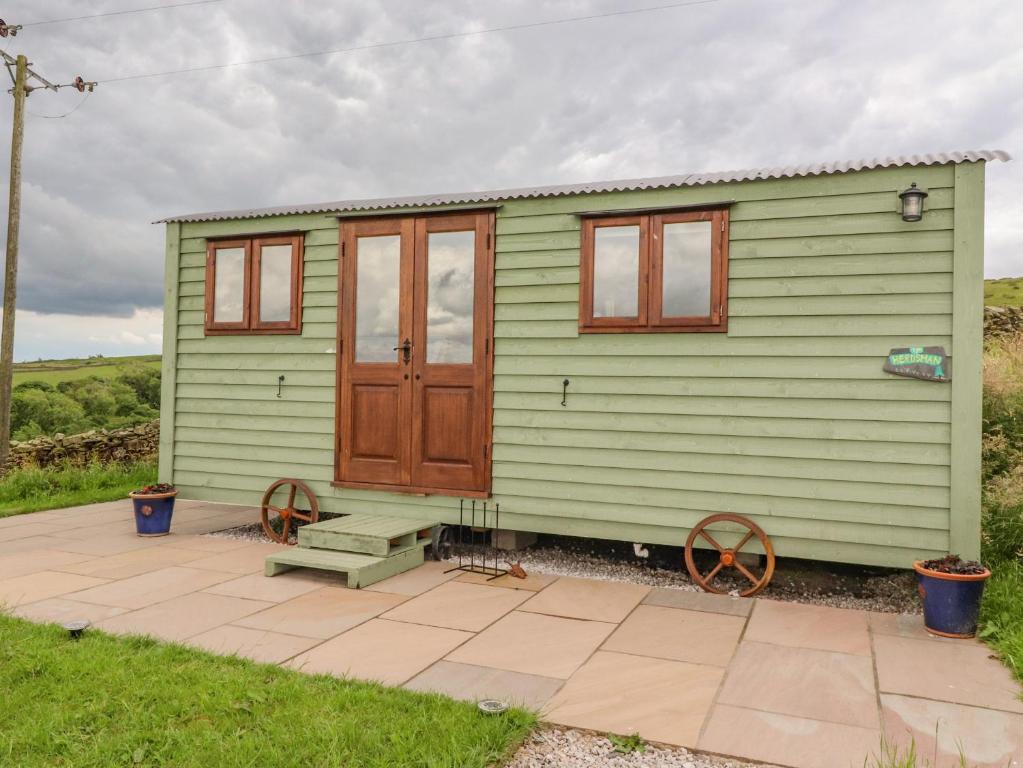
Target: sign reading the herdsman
<point>927,363</point>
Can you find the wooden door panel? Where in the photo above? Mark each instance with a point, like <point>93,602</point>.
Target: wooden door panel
<point>419,421</point>
<point>451,331</point>
<point>446,411</point>
<point>374,385</point>
<point>375,430</point>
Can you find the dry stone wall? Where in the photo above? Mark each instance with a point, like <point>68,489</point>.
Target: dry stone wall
<point>117,445</point>
<point>1003,321</point>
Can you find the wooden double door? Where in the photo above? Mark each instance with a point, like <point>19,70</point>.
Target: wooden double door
<point>414,365</point>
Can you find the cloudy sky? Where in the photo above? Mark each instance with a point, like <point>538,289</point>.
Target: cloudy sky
<point>713,86</point>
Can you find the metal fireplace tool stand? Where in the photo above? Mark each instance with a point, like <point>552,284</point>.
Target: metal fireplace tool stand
<point>473,565</point>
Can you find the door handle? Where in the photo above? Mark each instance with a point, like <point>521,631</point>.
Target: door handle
<point>406,351</point>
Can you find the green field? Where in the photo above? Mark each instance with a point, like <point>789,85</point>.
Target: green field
<point>1005,292</point>
<point>56,371</point>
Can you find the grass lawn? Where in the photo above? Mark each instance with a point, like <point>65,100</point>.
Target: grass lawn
<point>56,371</point>
<point>31,490</point>
<point>105,701</point>
<point>1005,292</point>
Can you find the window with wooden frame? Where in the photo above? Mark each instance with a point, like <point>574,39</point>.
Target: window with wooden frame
<point>655,272</point>
<point>254,285</point>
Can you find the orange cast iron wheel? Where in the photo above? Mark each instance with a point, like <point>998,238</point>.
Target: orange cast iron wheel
<point>727,556</point>
<point>288,512</point>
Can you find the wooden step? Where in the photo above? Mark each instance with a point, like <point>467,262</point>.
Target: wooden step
<point>362,569</point>
<point>369,534</point>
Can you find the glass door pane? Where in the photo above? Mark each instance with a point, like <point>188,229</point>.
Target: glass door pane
<point>450,291</point>
<point>378,288</point>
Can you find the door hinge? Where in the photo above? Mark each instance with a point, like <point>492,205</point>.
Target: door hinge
<point>486,346</point>
<point>343,249</point>
<point>722,225</point>
<point>485,449</point>
<point>488,241</point>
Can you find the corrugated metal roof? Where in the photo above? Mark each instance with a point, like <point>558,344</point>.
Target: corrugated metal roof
<point>623,185</point>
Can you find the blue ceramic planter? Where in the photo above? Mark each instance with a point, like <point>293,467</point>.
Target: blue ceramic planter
<point>951,601</point>
<point>153,512</point>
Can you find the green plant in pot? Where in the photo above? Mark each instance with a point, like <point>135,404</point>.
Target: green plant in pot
<point>951,589</point>
<point>154,508</point>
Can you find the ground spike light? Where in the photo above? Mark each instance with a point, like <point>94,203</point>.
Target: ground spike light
<point>75,629</point>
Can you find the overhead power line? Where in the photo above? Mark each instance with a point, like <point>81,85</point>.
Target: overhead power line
<point>120,13</point>
<point>408,41</point>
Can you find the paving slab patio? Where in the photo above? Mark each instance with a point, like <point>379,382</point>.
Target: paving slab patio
<point>791,685</point>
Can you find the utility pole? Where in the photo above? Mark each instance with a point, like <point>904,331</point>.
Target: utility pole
<point>11,264</point>
<point>21,76</point>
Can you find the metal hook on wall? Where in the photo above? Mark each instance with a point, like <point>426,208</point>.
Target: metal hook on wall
<point>564,392</point>
<point>280,383</point>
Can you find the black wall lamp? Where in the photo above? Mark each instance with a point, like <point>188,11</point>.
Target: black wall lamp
<point>912,203</point>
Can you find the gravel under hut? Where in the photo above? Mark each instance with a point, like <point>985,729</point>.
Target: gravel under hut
<point>569,748</point>
<point>795,581</point>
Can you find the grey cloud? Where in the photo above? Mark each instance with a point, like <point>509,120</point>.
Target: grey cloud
<point>736,83</point>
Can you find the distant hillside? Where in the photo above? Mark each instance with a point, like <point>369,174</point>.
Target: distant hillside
<point>56,371</point>
<point>1005,292</point>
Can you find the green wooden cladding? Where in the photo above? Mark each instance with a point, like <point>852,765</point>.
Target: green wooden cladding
<point>788,418</point>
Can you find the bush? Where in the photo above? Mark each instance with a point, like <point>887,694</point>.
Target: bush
<point>1002,541</point>
<point>41,410</point>
<point>132,397</point>
<point>145,380</point>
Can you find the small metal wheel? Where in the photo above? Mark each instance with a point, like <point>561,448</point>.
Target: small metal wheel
<point>727,556</point>
<point>443,542</point>
<point>277,520</point>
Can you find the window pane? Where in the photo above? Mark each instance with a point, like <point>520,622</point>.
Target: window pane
<point>616,271</point>
<point>378,285</point>
<point>275,283</point>
<point>687,256</point>
<point>229,291</point>
<point>451,260</point>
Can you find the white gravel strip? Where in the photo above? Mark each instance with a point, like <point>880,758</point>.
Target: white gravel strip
<point>888,593</point>
<point>793,582</point>
<point>569,748</point>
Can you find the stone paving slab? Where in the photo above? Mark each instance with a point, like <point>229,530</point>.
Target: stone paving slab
<point>991,738</point>
<point>809,626</point>
<point>786,740</point>
<point>772,682</point>
<point>670,633</point>
<point>323,613</point>
<point>699,601</point>
<point>472,683</point>
<point>58,610</point>
<point>587,599</point>
<point>456,605</point>
<point>533,582</point>
<point>389,652</point>
<point>256,644</point>
<point>534,644</point>
<point>182,617</point>
<point>33,587</point>
<point>822,685</point>
<point>663,700</point>
<point>962,672</point>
